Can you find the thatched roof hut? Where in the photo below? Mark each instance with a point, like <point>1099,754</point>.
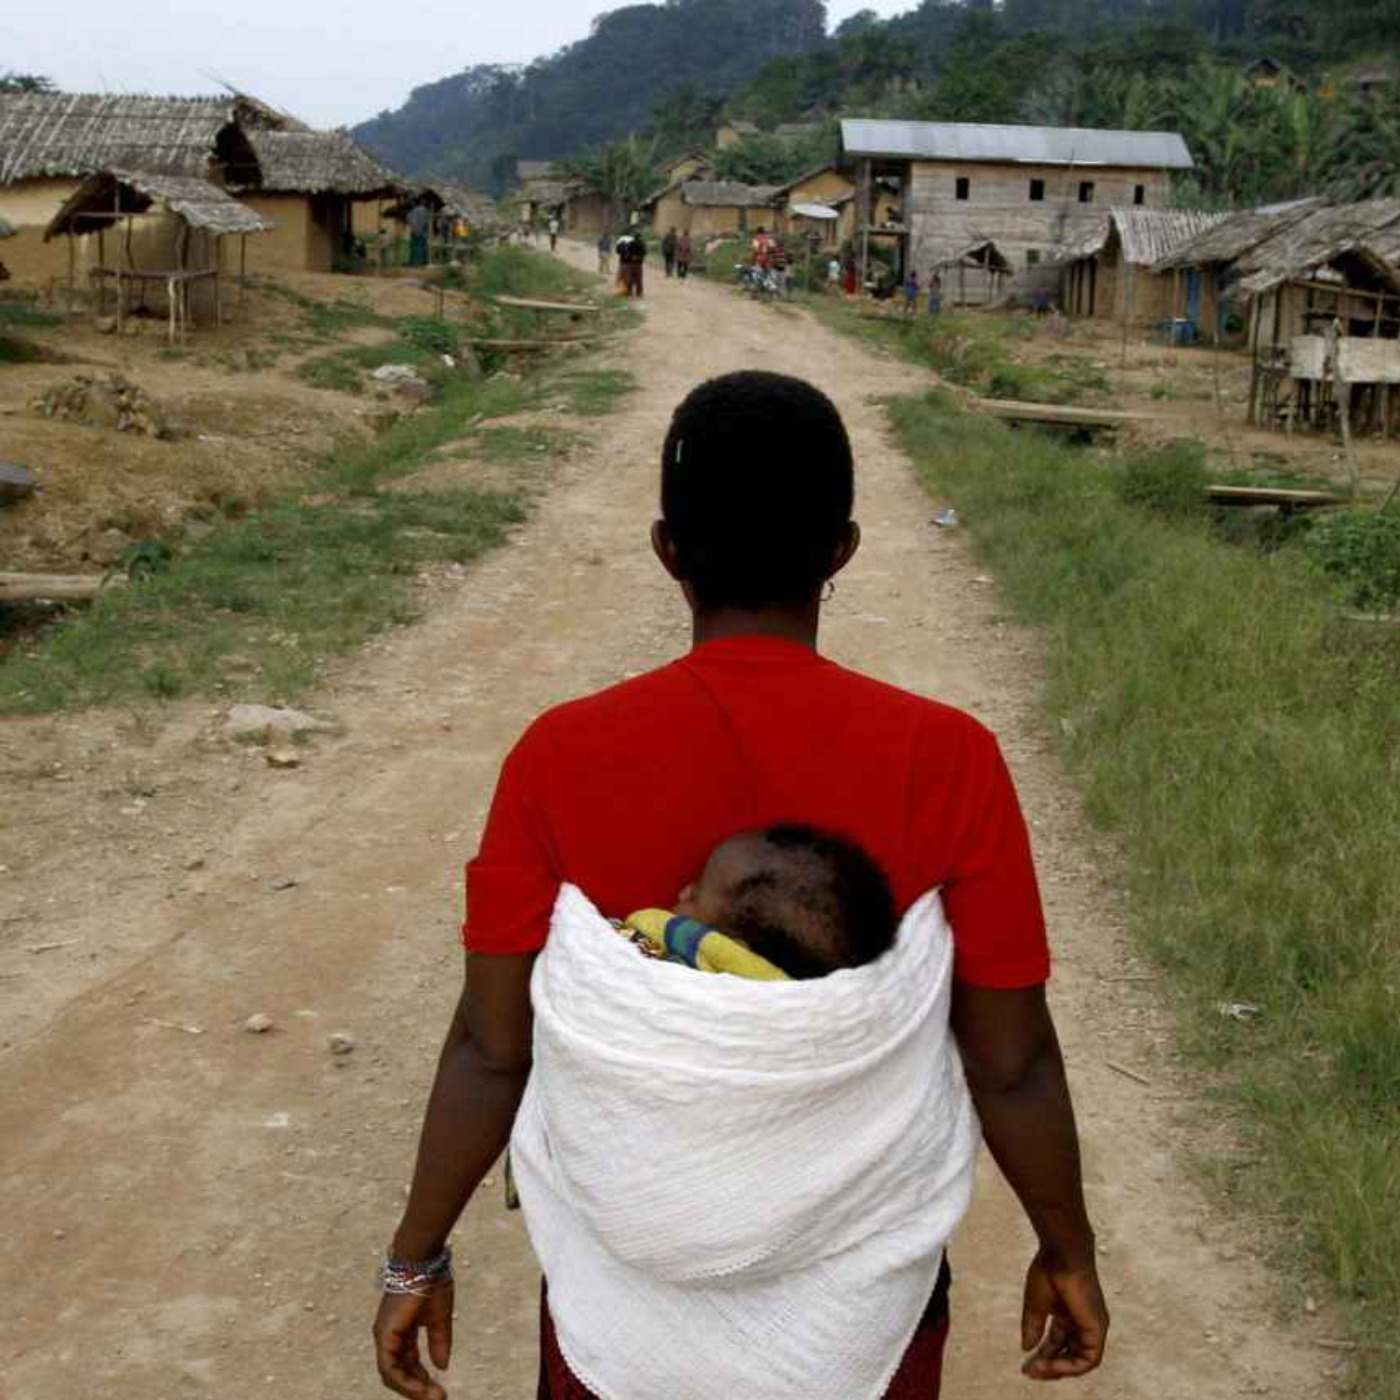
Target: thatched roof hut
<point>109,196</point>
<point>1144,236</point>
<point>318,162</point>
<point>1324,237</point>
<point>56,135</point>
<point>1113,269</point>
<point>1234,235</point>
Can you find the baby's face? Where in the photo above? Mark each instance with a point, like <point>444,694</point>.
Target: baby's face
<point>707,898</point>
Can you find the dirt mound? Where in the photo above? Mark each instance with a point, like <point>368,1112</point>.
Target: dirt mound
<point>114,402</point>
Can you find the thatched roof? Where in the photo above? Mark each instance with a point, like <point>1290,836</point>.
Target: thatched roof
<point>57,134</point>
<point>1235,235</point>
<point>103,198</point>
<point>729,194</point>
<point>547,192</point>
<point>1145,235</point>
<point>534,169</point>
<point>318,162</point>
<point>1319,239</point>
<point>462,202</point>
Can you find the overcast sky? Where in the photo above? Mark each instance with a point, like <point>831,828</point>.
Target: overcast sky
<point>330,62</point>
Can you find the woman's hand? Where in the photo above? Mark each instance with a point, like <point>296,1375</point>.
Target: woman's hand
<point>396,1328</point>
<point>1064,1323</point>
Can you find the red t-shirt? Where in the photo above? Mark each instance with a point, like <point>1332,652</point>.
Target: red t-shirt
<point>625,794</point>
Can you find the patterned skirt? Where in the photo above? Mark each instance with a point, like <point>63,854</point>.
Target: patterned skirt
<point>918,1378</point>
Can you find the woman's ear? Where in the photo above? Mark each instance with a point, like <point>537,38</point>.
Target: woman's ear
<point>664,547</point>
<point>846,549</point>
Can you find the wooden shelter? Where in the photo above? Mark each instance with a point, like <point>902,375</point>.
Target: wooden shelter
<point>1317,286</point>
<point>974,275</point>
<point>384,231</point>
<point>1314,289</point>
<point>1111,272</point>
<point>195,216</point>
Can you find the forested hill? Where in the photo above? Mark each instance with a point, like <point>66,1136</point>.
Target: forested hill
<point>1329,120</point>
<point>592,91</point>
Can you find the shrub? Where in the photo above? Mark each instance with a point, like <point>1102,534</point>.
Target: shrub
<point>1168,481</point>
<point>437,337</point>
<point>1360,549</point>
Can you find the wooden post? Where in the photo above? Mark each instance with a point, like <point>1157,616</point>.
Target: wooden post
<point>866,214</point>
<point>1255,315</point>
<point>101,262</point>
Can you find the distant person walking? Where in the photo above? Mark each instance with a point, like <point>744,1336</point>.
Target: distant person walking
<point>631,254</point>
<point>669,245</point>
<point>935,293</point>
<point>833,274</point>
<point>604,253</point>
<point>419,221</point>
<point>849,275</point>
<point>553,232</point>
<point>684,253</point>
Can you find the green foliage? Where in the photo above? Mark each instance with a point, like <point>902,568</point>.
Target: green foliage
<point>1238,739</point>
<point>592,92</point>
<point>767,159</point>
<point>1361,550</point>
<point>593,392</point>
<point>1170,481</point>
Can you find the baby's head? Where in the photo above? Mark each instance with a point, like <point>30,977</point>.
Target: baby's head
<point>808,902</point>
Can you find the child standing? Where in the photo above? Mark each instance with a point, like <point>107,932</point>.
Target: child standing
<point>911,292</point>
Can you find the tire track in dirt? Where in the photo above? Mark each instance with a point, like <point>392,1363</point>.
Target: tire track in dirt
<point>222,1197</point>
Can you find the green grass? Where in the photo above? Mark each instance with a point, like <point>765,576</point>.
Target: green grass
<point>592,393</point>
<point>286,587</point>
<point>24,313</point>
<point>283,587</point>
<point>1239,738</point>
<point>510,444</point>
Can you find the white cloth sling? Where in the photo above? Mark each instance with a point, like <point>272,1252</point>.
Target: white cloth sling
<point>741,1190</point>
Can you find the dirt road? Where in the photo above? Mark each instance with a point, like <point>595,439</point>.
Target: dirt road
<point>200,1213</point>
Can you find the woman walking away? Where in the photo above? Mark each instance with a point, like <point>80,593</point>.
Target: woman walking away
<point>683,256</point>
<point>669,247</point>
<point>762,1213</point>
<point>604,253</point>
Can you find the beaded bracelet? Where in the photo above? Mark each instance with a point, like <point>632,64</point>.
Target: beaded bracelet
<point>419,1279</point>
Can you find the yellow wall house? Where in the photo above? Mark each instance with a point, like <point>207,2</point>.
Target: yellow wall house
<point>49,142</point>
<point>309,186</point>
<point>302,182</point>
<point>713,207</point>
<point>825,185</point>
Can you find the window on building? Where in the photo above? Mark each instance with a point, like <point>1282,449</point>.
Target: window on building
<point>1086,191</point>
<point>1139,194</point>
<point>1032,257</point>
<point>964,187</point>
<point>1037,191</point>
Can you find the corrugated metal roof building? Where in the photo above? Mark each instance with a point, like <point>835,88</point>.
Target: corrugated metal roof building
<point>977,142</point>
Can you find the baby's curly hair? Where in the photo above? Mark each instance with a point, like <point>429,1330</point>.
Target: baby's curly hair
<point>815,903</point>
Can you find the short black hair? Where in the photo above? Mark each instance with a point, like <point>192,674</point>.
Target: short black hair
<point>757,485</point>
<point>816,902</point>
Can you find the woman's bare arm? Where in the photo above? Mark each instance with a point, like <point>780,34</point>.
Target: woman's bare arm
<point>1017,1077</point>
